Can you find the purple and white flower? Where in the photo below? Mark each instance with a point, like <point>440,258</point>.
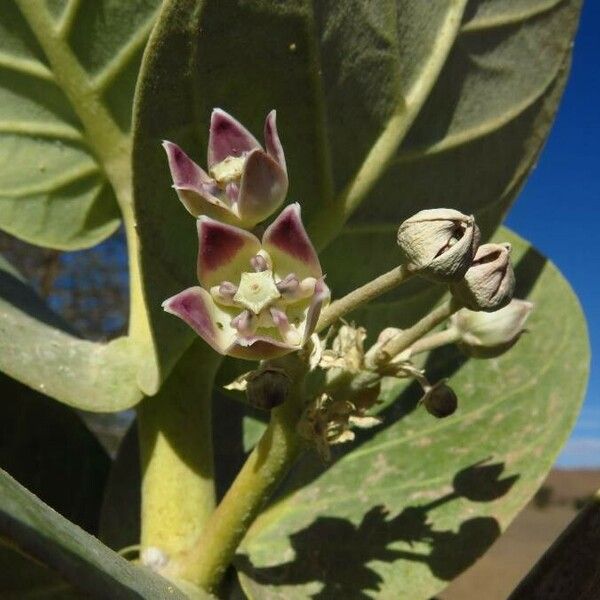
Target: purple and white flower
<point>256,299</point>
<point>245,183</point>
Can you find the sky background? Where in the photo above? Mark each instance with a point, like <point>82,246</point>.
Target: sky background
<point>559,212</point>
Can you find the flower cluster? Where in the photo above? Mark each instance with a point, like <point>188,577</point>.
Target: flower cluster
<point>257,299</point>
<point>261,298</point>
<point>244,185</point>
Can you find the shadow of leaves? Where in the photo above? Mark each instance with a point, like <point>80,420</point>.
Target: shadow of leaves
<point>340,555</point>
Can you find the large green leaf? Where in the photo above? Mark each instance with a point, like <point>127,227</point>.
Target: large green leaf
<point>67,74</point>
<point>53,189</point>
<point>409,104</point>
<point>38,349</point>
<point>416,501</point>
<point>47,538</point>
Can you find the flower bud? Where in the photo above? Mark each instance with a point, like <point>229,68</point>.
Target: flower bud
<point>439,244</point>
<point>440,400</point>
<point>267,388</point>
<point>489,283</point>
<point>487,335</point>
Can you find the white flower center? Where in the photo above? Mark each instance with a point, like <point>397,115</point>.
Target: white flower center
<point>228,170</point>
<point>257,291</point>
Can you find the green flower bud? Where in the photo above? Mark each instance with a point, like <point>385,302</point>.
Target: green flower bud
<point>439,244</point>
<point>267,388</point>
<point>440,400</point>
<point>487,335</point>
<point>489,283</point>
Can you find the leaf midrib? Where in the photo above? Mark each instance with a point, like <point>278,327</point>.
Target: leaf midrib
<point>109,144</point>
<point>385,146</point>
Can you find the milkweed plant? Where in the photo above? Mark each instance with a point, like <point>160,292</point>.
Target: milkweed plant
<point>347,381</point>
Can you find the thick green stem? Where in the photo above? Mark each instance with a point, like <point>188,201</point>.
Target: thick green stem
<point>409,336</point>
<point>178,492</point>
<point>362,295</point>
<point>205,563</point>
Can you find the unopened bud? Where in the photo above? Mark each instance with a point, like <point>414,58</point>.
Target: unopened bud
<point>267,388</point>
<point>486,335</point>
<point>440,400</point>
<point>439,244</point>
<point>489,283</point>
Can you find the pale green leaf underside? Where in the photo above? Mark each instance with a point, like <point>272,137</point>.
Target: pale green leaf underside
<point>42,534</point>
<point>53,192</point>
<point>37,349</point>
<point>515,411</point>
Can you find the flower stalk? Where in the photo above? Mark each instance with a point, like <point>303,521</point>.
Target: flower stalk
<point>205,563</point>
<point>362,295</point>
<point>409,336</point>
<point>435,340</point>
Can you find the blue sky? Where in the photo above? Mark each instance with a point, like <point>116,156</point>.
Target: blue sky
<point>559,212</point>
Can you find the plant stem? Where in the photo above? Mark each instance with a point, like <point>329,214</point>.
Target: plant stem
<point>435,340</point>
<point>409,336</point>
<point>362,295</point>
<point>205,563</point>
<point>178,492</point>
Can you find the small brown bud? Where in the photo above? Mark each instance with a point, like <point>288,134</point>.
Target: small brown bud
<point>489,283</point>
<point>439,244</point>
<point>440,400</point>
<point>268,387</point>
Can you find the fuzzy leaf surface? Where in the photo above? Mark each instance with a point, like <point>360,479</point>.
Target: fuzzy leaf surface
<point>53,189</point>
<point>403,105</point>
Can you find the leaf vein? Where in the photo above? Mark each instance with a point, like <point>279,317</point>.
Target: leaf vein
<point>27,66</point>
<point>111,70</point>
<point>41,129</point>
<point>511,18</point>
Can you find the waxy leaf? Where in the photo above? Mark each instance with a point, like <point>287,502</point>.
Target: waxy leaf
<point>47,538</point>
<point>38,349</point>
<point>58,60</point>
<point>416,500</point>
<point>400,105</point>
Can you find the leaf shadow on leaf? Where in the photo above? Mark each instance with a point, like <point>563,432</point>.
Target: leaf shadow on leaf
<point>338,553</point>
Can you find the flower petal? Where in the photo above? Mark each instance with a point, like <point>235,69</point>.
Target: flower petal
<point>224,252</point>
<point>196,308</point>
<point>263,188</point>
<point>289,246</point>
<point>195,188</point>
<point>227,137</point>
<point>272,141</point>
<point>320,299</point>
<point>260,347</point>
